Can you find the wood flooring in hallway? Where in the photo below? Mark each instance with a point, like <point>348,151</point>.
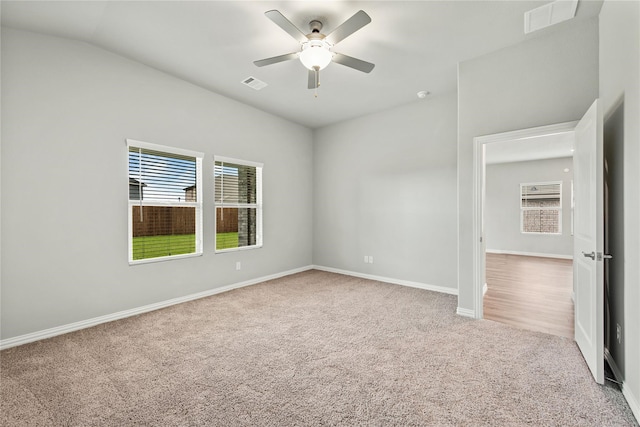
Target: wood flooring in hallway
<point>530,292</point>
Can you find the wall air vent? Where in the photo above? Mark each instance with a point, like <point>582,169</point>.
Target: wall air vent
<point>549,14</point>
<point>254,83</point>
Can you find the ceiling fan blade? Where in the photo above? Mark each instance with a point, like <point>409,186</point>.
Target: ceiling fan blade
<point>348,27</point>
<point>356,64</point>
<point>276,59</point>
<point>314,79</point>
<point>286,25</point>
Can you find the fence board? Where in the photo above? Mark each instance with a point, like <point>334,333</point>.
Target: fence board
<point>226,220</point>
<point>163,220</point>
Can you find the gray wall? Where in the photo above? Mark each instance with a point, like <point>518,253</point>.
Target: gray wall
<point>385,186</point>
<point>542,81</point>
<point>67,108</point>
<point>620,86</point>
<point>502,207</point>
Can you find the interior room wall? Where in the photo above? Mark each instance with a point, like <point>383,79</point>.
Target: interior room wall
<point>502,207</point>
<point>385,186</point>
<point>67,108</point>
<point>620,86</point>
<point>549,79</point>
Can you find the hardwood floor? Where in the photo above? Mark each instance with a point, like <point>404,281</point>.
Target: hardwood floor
<point>530,292</point>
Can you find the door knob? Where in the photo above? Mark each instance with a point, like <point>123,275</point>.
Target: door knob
<point>592,255</point>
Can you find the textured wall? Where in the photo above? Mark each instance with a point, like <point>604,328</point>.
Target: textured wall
<point>385,186</point>
<point>67,108</point>
<point>620,89</point>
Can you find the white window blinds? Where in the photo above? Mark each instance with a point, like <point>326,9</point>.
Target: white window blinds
<point>165,202</point>
<point>238,203</point>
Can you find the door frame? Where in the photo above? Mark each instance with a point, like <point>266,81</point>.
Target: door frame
<point>479,166</point>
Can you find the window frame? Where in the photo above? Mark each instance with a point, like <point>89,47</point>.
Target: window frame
<point>198,205</point>
<point>258,206</point>
<point>539,208</point>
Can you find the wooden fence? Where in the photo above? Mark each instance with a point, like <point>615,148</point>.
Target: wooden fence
<point>226,220</point>
<point>165,220</point>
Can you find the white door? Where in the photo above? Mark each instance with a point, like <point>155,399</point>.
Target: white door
<point>588,270</point>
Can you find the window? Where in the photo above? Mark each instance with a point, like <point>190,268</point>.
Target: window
<point>238,204</point>
<point>541,208</point>
<point>165,202</point>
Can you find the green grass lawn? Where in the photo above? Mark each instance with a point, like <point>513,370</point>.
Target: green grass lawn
<point>226,240</point>
<point>159,246</point>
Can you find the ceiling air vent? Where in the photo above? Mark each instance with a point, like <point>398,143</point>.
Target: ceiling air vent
<point>254,83</point>
<point>549,14</point>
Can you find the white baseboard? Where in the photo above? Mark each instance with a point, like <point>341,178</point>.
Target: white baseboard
<point>425,286</point>
<point>632,400</point>
<point>59,330</point>
<point>536,254</point>
<point>465,312</point>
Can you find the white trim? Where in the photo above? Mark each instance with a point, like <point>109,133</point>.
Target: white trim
<point>165,203</point>
<point>541,208</point>
<point>158,147</point>
<point>164,258</point>
<point>556,129</point>
<point>536,254</point>
<point>239,248</point>
<point>478,202</point>
<point>224,159</point>
<point>257,206</point>
<point>197,205</point>
<point>632,400</point>
<point>465,312</point>
<point>426,287</point>
<point>63,329</point>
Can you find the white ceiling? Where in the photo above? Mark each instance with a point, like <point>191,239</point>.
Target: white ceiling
<point>536,148</point>
<point>416,45</point>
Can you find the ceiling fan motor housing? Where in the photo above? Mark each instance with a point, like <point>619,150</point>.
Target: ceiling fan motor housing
<point>315,26</point>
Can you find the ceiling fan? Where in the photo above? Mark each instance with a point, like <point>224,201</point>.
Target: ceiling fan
<point>315,50</point>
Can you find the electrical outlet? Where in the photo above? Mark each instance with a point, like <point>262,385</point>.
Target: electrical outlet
<point>238,265</point>
<point>366,259</point>
<point>619,333</point>
<point>370,259</point>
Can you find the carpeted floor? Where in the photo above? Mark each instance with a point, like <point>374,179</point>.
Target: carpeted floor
<point>309,349</point>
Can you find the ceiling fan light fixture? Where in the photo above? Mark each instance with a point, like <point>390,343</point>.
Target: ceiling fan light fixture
<point>315,54</point>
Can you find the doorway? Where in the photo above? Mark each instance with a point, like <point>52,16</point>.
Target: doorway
<point>528,233</point>
<point>525,274</point>
<point>588,239</point>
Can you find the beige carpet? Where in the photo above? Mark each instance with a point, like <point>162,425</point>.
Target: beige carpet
<point>310,349</point>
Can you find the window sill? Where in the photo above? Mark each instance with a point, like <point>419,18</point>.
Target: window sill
<point>243,248</point>
<point>164,258</point>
